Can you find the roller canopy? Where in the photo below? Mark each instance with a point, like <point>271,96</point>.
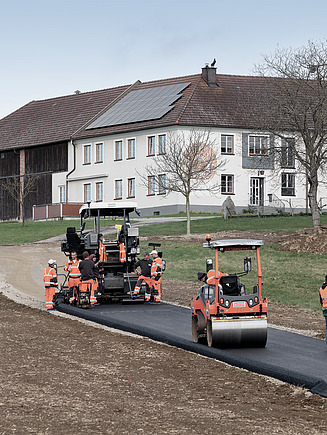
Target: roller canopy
<point>234,243</point>
<point>107,209</point>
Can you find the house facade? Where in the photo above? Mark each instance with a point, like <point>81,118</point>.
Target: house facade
<point>95,146</point>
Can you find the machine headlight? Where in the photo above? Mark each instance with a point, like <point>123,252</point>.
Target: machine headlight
<point>227,303</point>
<point>250,302</point>
<point>133,250</point>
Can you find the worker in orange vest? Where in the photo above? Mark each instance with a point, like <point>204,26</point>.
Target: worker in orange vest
<point>122,253</point>
<point>323,301</point>
<point>156,273</point>
<point>144,275</point>
<point>102,250</point>
<point>50,283</point>
<point>74,275</point>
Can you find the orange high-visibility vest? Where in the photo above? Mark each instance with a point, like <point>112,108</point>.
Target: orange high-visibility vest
<point>73,269</point>
<point>122,253</point>
<point>156,267</point>
<point>211,278</point>
<point>323,295</point>
<point>50,277</point>
<point>102,252</point>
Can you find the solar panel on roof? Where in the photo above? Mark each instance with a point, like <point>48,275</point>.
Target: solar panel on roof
<point>141,105</point>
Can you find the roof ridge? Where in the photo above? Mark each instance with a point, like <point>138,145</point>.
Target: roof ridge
<point>187,101</point>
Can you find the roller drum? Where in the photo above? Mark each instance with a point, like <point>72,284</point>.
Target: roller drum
<point>250,332</point>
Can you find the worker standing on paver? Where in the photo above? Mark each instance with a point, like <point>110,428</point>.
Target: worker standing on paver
<point>144,275</point>
<point>156,272</point>
<point>323,301</point>
<point>50,283</point>
<point>74,275</point>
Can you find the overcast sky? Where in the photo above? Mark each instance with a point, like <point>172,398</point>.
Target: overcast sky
<point>51,48</point>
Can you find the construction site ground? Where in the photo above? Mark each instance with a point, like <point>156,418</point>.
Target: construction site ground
<point>62,375</point>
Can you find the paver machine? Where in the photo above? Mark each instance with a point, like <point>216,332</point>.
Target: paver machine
<point>226,313</point>
<point>117,257</point>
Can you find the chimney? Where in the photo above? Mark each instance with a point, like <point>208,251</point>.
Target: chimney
<point>209,75</point>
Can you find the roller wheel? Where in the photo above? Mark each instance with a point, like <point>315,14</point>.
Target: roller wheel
<point>198,336</point>
<point>209,333</point>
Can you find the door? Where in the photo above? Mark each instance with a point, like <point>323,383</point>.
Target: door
<point>256,191</point>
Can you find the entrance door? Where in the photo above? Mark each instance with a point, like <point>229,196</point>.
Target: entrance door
<point>256,191</point>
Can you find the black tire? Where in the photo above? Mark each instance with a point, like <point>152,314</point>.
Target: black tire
<point>198,334</point>
<point>209,333</point>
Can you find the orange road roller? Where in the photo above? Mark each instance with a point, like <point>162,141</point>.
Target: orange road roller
<point>229,310</point>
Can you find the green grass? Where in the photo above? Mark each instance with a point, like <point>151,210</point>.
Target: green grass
<point>215,224</point>
<point>288,277</point>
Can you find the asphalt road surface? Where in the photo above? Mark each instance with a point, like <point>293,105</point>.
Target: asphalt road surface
<point>290,357</point>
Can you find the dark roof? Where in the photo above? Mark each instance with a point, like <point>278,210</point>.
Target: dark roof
<point>59,119</point>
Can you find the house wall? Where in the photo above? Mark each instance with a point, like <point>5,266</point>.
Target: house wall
<point>242,167</point>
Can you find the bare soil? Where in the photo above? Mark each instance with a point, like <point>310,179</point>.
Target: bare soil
<point>61,375</point>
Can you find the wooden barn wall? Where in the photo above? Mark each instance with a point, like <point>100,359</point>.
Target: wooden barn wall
<point>46,158</point>
<point>9,165</point>
<point>52,158</point>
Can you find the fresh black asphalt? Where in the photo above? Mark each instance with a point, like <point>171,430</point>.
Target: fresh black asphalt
<point>290,357</point>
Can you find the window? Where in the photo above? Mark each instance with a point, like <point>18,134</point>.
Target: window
<point>118,189</point>
<point>287,154</point>
<point>87,192</point>
<point>99,152</point>
<point>162,144</point>
<point>151,185</point>
<point>258,145</point>
<point>87,154</point>
<point>227,144</point>
<point>131,187</point>
<point>162,183</point>
<point>288,185</point>
<point>99,191</point>
<point>62,193</point>
<point>151,145</point>
<point>131,149</point>
<point>227,184</point>
<point>118,150</point>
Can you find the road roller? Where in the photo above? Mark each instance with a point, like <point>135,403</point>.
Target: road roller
<point>229,310</point>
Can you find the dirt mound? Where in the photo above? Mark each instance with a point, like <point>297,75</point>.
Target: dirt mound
<point>310,240</point>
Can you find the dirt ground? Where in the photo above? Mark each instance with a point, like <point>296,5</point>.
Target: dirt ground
<point>61,375</point>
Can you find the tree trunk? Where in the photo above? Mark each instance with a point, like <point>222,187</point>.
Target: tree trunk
<point>313,203</point>
<point>188,216</point>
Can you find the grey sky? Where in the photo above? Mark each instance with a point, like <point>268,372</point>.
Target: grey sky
<point>54,47</point>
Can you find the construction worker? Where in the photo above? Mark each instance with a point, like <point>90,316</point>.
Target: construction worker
<point>156,272</point>
<point>96,277</point>
<point>144,275</point>
<point>50,283</point>
<point>102,250</point>
<point>210,277</point>
<point>74,275</point>
<point>86,268</point>
<point>323,301</point>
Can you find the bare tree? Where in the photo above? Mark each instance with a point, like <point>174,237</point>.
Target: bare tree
<point>186,166</point>
<point>294,108</point>
<point>19,187</point>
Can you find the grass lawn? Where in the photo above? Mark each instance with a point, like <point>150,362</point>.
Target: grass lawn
<point>289,277</point>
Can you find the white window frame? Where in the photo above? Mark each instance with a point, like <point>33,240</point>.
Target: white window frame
<point>151,185</point>
<point>162,140</point>
<point>151,145</point>
<point>162,184</point>
<point>118,150</point>
<point>131,188</point>
<point>99,191</point>
<point>227,144</point>
<point>99,152</point>
<point>131,146</point>
<point>259,146</point>
<point>62,193</point>
<point>119,189</point>
<point>287,184</point>
<point>87,192</point>
<point>87,154</point>
<point>227,184</point>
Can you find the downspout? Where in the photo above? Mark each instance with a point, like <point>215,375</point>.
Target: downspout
<point>74,168</point>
